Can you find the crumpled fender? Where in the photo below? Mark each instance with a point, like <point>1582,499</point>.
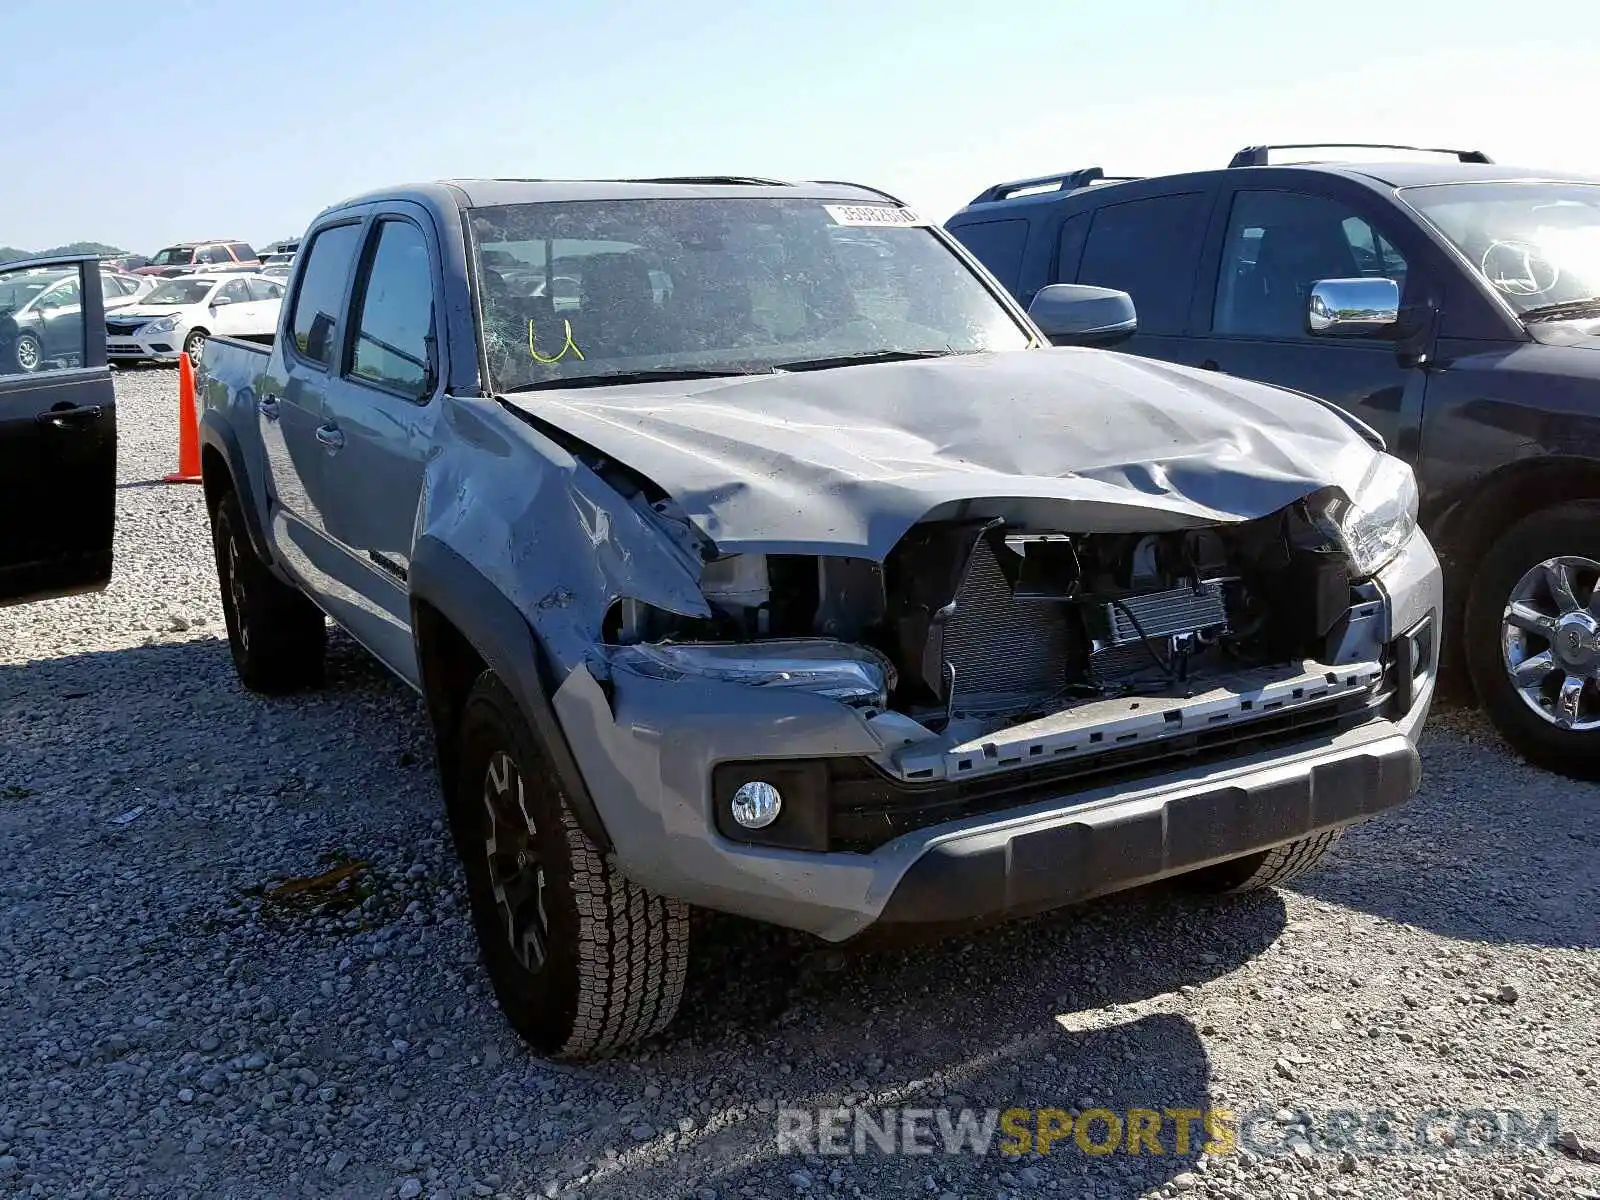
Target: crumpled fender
<point>544,530</point>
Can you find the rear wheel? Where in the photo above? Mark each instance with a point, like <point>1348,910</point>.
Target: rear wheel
<point>277,637</point>
<point>1532,634</point>
<point>582,960</point>
<point>1266,868</point>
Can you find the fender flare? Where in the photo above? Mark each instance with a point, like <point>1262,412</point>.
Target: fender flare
<point>219,435</point>
<point>507,644</point>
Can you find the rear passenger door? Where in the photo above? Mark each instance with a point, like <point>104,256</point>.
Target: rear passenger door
<point>58,451</point>
<point>291,405</point>
<point>1147,246</point>
<point>378,425</point>
<point>1251,313</point>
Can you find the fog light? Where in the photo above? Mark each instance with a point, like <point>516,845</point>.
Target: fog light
<point>756,804</point>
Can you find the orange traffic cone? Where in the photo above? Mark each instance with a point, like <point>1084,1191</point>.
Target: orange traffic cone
<point>188,426</point>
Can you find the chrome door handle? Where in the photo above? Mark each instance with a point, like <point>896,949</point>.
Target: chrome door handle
<point>267,406</point>
<point>330,436</point>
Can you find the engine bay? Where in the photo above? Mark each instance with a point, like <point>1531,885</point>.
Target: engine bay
<point>983,626</point>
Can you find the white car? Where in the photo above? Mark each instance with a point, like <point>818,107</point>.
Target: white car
<point>180,313</point>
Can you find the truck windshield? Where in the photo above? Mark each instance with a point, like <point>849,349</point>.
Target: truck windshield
<point>179,291</point>
<point>579,291</point>
<point>1537,244</point>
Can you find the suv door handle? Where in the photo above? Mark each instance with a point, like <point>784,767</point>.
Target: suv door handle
<point>267,406</point>
<point>330,436</point>
<point>66,416</point>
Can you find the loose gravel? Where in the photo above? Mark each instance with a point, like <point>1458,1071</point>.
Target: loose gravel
<point>178,1022</point>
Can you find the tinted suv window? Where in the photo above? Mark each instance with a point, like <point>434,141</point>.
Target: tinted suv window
<point>213,254</point>
<point>393,316</point>
<point>1147,248</point>
<point>316,304</point>
<point>997,245</point>
<point>242,252</point>
<point>1278,245</point>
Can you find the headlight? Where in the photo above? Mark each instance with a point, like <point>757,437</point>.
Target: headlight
<point>827,668</point>
<point>1374,523</point>
<point>159,325</point>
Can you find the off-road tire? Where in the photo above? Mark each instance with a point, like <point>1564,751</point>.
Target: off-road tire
<point>277,637</point>
<point>1569,529</point>
<point>616,953</point>
<point>1266,868</point>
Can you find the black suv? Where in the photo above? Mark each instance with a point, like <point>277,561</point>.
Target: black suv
<point>1453,305</point>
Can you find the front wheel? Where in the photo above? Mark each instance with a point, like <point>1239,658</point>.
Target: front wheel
<point>1532,633</point>
<point>194,345</point>
<point>582,960</point>
<point>29,353</point>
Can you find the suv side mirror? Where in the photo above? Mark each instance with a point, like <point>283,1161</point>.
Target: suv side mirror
<point>1077,314</point>
<point>1353,307</point>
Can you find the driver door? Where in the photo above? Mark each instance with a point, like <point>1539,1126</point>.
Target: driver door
<point>58,452</point>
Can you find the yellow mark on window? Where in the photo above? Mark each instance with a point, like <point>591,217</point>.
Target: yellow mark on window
<point>570,345</point>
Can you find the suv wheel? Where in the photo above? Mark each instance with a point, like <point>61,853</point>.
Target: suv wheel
<point>1267,868</point>
<point>582,961</point>
<point>277,637</point>
<point>1532,634</point>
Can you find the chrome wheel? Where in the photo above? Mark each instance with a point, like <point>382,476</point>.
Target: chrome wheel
<point>193,347</point>
<point>515,873</point>
<point>1550,641</point>
<point>29,353</point>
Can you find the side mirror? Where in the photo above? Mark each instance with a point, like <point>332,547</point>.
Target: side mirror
<point>1353,307</point>
<point>221,300</point>
<point>1077,314</point>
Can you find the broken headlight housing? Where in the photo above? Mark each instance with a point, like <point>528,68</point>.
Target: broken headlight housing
<point>1378,520</point>
<point>854,674</point>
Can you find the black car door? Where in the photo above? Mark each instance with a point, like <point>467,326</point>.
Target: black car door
<point>1268,245</point>
<point>58,450</point>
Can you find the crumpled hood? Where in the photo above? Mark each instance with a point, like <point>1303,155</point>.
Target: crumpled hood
<point>845,461</point>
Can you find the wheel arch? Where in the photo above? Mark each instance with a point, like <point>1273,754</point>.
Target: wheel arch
<point>222,469</point>
<point>463,625</point>
<point>1463,532</point>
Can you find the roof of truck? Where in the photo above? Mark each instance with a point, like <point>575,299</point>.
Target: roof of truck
<point>476,193</point>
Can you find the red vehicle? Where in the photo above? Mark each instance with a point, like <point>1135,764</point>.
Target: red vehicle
<point>189,258</point>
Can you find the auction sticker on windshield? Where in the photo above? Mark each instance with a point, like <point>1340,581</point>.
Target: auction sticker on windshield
<point>872,214</point>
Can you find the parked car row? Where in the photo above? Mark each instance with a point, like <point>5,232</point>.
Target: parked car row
<point>178,315</point>
<point>191,258</point>
<point>41,313</point>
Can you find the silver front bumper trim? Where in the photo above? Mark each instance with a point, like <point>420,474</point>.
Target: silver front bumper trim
<point>1097,726</point>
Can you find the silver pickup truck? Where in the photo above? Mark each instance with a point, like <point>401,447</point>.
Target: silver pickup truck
<point>753,550</point>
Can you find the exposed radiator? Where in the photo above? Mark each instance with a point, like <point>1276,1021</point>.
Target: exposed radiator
<point>1003,651</point>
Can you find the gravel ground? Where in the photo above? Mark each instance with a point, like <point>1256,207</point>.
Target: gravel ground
<point>175,1027</point>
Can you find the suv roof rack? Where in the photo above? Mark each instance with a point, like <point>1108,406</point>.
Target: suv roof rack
<point>865,187</point>
<point>1257,156</point>
<point>754,180</point>
<point>1067,181</point>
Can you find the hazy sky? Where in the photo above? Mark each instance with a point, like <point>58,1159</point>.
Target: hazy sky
<point>143,123</point>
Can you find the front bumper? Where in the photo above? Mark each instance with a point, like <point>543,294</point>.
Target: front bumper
<point>165,347</point>
<point>648,750</point>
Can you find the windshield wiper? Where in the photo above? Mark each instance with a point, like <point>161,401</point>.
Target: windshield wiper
<point>1566,310</point>
<point>869,356</point>
<point>617,378</point>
